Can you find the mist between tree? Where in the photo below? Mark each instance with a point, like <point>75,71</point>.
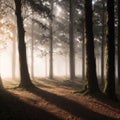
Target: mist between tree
<point>41,63</point>
<point>9,63</point>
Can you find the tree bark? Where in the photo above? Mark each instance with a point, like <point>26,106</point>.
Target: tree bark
<point>32,51</point>
<point>83,52</point>
<point>102,43</point>
<point>91,77</point>
<point>71,38</point>
<point>110,52</point>
<point>24,74</point>
<point>118,42</point>
<point>13,58</point>
<point>51,44</point>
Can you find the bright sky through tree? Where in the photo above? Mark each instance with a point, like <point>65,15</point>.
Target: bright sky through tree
<point>58,11</point>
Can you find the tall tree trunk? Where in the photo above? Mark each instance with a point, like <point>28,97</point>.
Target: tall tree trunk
<point>14,45</point>
<point>13,58</point>
<point>110,52</point>
<point>118,42</point>
<point>71,38</point>
<point>32,52</point>
<point>102,44</point>
<point>83,52</point>
<point>51,44</point>
<point>91,77</point>
<point>24,74</point>
<point>46,65</point>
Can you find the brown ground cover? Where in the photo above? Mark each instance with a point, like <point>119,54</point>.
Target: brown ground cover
<point>52,100</point>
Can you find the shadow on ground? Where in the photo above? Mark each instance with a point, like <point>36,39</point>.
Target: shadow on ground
<point>69,105</point>
<point>12,108</point>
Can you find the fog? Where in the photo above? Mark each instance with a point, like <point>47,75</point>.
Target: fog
<point>41,64</point>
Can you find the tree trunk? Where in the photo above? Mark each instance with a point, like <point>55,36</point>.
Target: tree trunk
<point>118,42</point>
<point>71,38</point>
<point>14,45</point>
<point>13,58</point>
<point>24,74</point>
<point>46,65</point>
<point>102,43</point>
<point>83,53</point>
<point>51,44</point>
<point>91,77</point>
<point>32,52</point>
<point>110,52</point>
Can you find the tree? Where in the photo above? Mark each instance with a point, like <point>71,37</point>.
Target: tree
<point>25,77</point>
<point>71,38</point>
<point>110,52</point>
<point>14,55</point>
<point>118,2</point>
<point>102,42</point>
<point>83,50</point>
<point>83,55</point>
<point>6,28</point>
<point>51,44</point>
<point>91,77</point>
<point>32,48</point>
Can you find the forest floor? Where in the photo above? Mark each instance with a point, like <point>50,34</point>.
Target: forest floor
<point>54,100</point>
